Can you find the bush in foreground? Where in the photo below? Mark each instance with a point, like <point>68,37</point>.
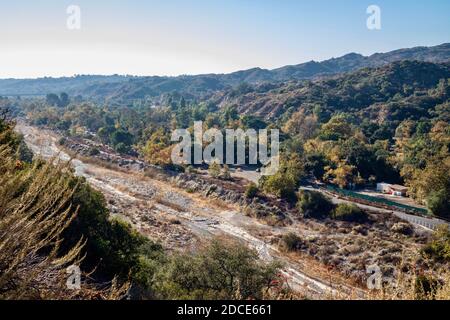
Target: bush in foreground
<point>219,271</point>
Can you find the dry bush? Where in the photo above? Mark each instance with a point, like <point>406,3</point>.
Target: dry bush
<point>415,287</point>
<point>35,209</point>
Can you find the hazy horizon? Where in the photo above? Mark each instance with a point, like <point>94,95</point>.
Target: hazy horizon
<point>193,74</point>
<point>159,38</point>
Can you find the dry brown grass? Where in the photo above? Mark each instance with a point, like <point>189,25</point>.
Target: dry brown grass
<point>94,161</point>
<point>35,209</point>
<point>219,203</point>
<point>405,288</point>
<point>163,201</point>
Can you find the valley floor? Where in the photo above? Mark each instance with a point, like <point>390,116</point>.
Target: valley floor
<point>184,221</point>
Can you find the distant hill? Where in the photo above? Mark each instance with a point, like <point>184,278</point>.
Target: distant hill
<point>354,61</point>
<point>125,88</point>
<point>42,86</point>
<point>406,87</point>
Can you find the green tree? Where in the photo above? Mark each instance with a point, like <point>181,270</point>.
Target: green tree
<point>438,203</point>
<point>338,128</point>
<point>111,245</point>
<point>121,136</point>
<point>52,100</point>
<point>220,271</point>
<point>316,163</point>
<point>63,100</point>
<point>156,149</point>
<point>285,181</point>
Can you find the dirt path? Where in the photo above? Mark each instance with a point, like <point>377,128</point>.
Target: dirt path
<point>178,219</point>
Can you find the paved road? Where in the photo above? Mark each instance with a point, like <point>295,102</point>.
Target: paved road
<point>427,223</point>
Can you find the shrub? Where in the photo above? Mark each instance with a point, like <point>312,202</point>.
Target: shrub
<point>122,148</point>
<point>214,169</point>
<point>349,212</point>
<point>219,271</point>
<point>24,153</point>
<point>42,207</point>
<point>251,191</point>
<point>425,287</point>
<point>438,248</point>
<point>314,204</point>
<point>290,242</point>
<point>62,141</point>
<point>33,216</point>
<point>402,228</point>
<point>152,258</point>
<point>226,175</point>
<point>121,136</point>
<point>285,182</point>
<point>111,245</point>
<point>94,151</point>
<point>280,185</point>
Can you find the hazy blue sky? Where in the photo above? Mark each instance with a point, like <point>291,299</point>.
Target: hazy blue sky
<point>171,37</point>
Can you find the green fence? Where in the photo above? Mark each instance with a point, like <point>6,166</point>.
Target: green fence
<point>352,194</point>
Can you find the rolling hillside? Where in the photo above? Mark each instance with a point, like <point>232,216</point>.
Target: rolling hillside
<point>398,90</point>
<point>122,89</point>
